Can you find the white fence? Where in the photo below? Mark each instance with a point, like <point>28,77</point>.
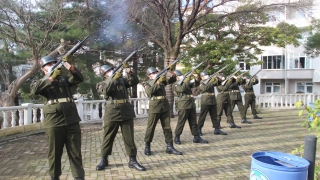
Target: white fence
<point>93,110</point>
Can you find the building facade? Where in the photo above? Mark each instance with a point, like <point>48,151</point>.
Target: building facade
<point>289,70</point>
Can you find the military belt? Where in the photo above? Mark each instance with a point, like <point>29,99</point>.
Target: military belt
<point>249,92</point>
<point>188,95</point>
<point>210,94</point>
<point>118,101</point>
<point>157,97</point>
<point>59,100</point>
<point>224,92</point>
<point>234,91</point>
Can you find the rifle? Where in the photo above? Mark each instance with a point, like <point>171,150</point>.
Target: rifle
<point>230,76</point>
<point>163,72</point>
<point>241,75</point>
<point>120,67</point>
<point>215,74</point>
<point>253,76</point>
<point>70,52</point>
<point>190,73</point>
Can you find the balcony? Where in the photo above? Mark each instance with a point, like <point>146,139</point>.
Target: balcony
<point>291,74</point>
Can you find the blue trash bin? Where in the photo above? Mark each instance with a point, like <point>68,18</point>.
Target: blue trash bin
<point>278,166</point>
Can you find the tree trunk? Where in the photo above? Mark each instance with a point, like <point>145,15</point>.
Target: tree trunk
<point>168,88</point>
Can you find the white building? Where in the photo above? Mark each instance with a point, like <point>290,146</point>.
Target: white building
<point>289,70</point>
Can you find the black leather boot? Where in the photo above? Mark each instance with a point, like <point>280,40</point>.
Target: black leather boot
<point>177,139</point>
<point>200,131</point>
<point>256,117</point>
<point>244,120</point>
<point>217,131</point>
<point>79,178</point>
<point>103,163</point>
<point>134,164</point>
<point>55,178</point>
<point>171,150</point>
<point>198,139</point>
<point>147,150</point>
<point>233,125</point>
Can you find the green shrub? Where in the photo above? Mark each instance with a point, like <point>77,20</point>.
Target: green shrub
<point>312,122</point>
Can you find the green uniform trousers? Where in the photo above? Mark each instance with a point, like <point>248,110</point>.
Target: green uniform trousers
<point>191,115</point>
<point>153,119</point>
<point>250,102</point>
<point>212,109</point>
<point>240,107</point>
<point>70,136</point>
<point>227,110</point>
<point>110,131</point>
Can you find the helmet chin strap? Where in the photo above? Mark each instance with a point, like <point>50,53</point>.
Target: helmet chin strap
<point>109,73</point>
<point>153,76</point>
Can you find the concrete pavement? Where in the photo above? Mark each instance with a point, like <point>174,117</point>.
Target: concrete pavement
<point>225,157</point>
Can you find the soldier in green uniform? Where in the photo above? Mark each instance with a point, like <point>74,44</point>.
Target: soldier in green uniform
<point>208,104</point>
<point>119,112</point>
<point>249,97</point>
<point>61,119</point>
<point>224,102</point>
<point>236,99</point>
<point>186,107</point>
<point>159,108</point>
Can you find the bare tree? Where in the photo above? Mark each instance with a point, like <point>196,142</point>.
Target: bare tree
<point>168,22</point>
<point>29,26</point>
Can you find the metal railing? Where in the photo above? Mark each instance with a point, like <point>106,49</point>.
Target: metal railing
<point>94,109</point>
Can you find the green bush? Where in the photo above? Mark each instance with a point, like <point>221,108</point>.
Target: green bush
<point>312,122</point>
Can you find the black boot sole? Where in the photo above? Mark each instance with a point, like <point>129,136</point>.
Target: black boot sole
<point>220,134</point>
<point>138,169</point>
<point>170,152</point>
<point>246,122</point>
<point>201,142</point>
<point>100,168</point>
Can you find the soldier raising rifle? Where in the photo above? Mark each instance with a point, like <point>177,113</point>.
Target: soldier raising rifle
<point>249,97</point>
<point>61,119</point>
<point>186,106</point>
<point>159,107</point>
<point>119,112</point>
<point>223,101</point>
<point>209,102</point>
<point>235,97</point>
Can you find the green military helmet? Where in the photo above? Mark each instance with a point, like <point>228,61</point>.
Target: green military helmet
<point>104,69</point>
<point>177,72</point>
<point>151,70</point>
<point>204,73</point>
<point>46,59</point>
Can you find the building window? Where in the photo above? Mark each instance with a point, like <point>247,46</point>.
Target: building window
<point>244,66</point>
<point>298,61</point>
<point>303,87</point>
<point>273,62</point>
<point>272,87</point>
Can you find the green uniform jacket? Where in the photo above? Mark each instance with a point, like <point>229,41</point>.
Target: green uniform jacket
<point>182,91</point>
<point>248,87</point>
<point>159,105</point>
<point>60,114</point>
<point>207,88</point>
<point>117,90</point>
<point>223,96</point>
<point>235,95</point>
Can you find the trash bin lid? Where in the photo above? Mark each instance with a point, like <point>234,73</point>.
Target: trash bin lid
<point>281,161</point>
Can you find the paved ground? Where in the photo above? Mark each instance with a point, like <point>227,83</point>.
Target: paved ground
<point>225,157</point>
